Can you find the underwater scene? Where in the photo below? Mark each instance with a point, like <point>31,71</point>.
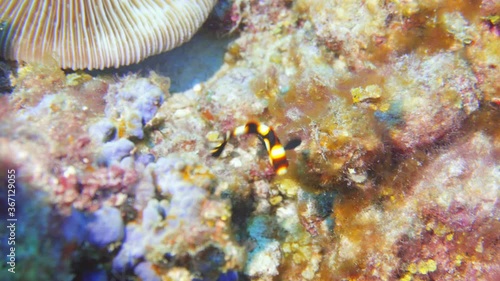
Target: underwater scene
<point>249,140</point>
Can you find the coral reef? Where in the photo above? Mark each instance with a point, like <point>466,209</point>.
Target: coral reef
<point>428,111</point>
<point>396,104</point>
<point>184,229</point>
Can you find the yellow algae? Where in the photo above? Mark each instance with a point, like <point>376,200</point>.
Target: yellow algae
<point>372,6</point>
<point>494,19</point>
<point>197,174</point>
<point>441,229</point>
<point>431,265</point>
<point>458,260</point>
<point>275,58</point>
<point>233,53</point>
<point>429,226</point>
<point>298,258</point>
<point>299,252</point>
<point>24,71</point>
<point>425,267</point>
<point>213,136</point>
<point>234,49</point>
<point>356,94</point>
<point>412,268</point>
<point>451,98</point>
<point>422,267</point>
<point>286,247</point>
<point>288,187</point>
<point>406,277</point>
<point>384,106</point>
<point>269,89</point>
<point>275,200</point>
<point>77,78</point>
<point>406,8</point>
<point>368,94</point>
<point>449,237</point>
<point>121,127</point>
<point>387,191</point>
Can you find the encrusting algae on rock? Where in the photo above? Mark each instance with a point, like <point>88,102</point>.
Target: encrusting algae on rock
<point>396,176</point>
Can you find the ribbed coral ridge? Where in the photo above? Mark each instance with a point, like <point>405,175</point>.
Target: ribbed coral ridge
<point>80,34</point>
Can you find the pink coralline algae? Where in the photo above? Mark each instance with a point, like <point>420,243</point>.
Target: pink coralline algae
<point>459,213</point>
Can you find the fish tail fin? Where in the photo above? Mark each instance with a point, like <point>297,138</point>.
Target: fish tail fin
<point>217,151</point>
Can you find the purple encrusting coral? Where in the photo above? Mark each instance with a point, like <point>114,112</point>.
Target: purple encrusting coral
<point>114,151</point>
<point>145,272</point>
<point>132,104</point>
<point>396,178</point>
<point>171,227</point>
<point>103,131</point>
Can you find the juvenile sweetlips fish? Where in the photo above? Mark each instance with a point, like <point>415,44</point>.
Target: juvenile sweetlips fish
<point>268,137</point>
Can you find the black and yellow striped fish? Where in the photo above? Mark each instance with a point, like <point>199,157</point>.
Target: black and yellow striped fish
<point>268,137</point>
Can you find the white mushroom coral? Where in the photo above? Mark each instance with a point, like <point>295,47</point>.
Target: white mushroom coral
<point>92,34</point>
